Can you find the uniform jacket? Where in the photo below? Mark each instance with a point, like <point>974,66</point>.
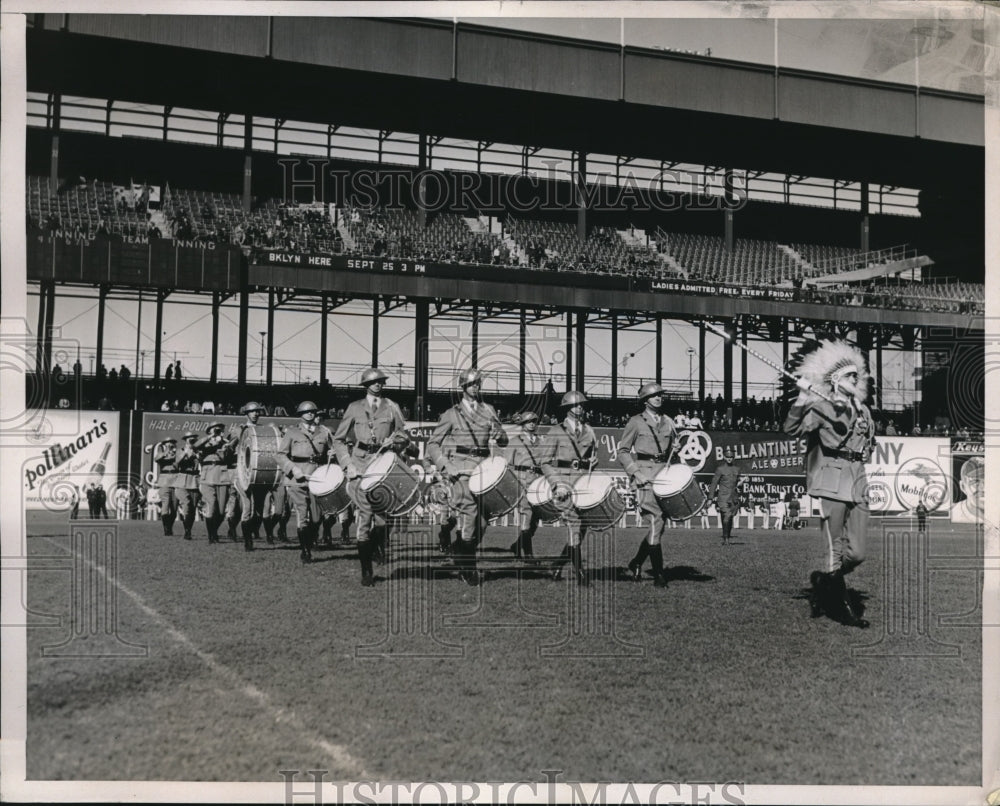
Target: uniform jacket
<point>567,449</point>
<point>725,482</point>
<point>298,448</point>
<point>167,468</point>
<point>839,443</point>
<point>461,439</point>
<point>186,477</point>
<point>361,431</point>
<point>644,438</point>
<point>213,455</point>
<point>522,452</point>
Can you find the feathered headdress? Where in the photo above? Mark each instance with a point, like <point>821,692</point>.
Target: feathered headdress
<point>822,362</point>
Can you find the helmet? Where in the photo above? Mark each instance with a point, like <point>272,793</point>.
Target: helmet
<point>371,375</point>
<point>728,451</point>
<point>168,440</point>
<point>527,417</point>
<point>650,389</point>
<point>306,405</point>
<point>252,406</point>
<point>472,375</point>
<point>217,425</point>
<point>572,398</point>
<point>190,435</point>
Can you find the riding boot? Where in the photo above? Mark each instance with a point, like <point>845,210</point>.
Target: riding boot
<point>848,614</point>
<point>656,560</point>
<point>635,564</point>
<point>377,539</point>
<point>470,573</point>
<point>247,536</point>
<point>444,534</point>
<point>268,524</point>
<point>327,532</point>
<point>526,548</point>
<point>560,562</point>
<point>516,547</point>
<point>575,557</point>
<point>365,557</point>
<point>305,542</point>
<point>168,525</point>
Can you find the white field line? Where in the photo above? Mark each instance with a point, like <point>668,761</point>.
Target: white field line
<point>340,755</point>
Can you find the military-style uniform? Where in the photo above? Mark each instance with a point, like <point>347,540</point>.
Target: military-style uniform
<point>572,453</point>
<point>646,444</point>
<point>366,424</point>
<point>166,461</point>
<point>525,455</point>
<point>725,483</point>
<point>248,505</point>
<point>185,487</point>
<point>840,441</point>
<point>645,448</point>
<point>214,482</point>
<point>461,440</point>
<point>306,451</point>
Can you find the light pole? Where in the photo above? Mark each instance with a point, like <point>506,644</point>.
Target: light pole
<point>263,333</point>
<point>690,371</point>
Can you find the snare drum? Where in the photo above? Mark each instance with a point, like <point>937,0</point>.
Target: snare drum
<point>390,486</point>
<point>598,501</point>
<point>542,501</point>
<point>678,493</point>
<point>495,486</point>
<point>257,457</point>
<point>328,487</point>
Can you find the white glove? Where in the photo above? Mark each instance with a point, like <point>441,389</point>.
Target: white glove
<point>803,384</point>
<point>352,471</point>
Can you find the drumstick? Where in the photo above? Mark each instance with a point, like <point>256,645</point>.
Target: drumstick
<point>766,360</point>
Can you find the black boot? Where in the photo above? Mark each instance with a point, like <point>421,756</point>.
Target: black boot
<point>365,557</point>
<point>516,546</point>
<point>560,562</point>
<point>231,531</point>
<point>327,532</point>
<point>168,527</point>
<point>819,593</point>
<point>345,531</point>
<point>444,535</point>
<point>377,539</point>
<point>305,542</point>
<point>526,547</point>
<point>282,531</point>
<point>634,569</point>
<point>247,537</point>
<point>848,615</point>
<point>656,561</point>
<point>575,557</point>
<point>268,529</point>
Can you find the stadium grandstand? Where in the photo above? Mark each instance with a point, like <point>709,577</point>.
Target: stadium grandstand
<point>690,238</point>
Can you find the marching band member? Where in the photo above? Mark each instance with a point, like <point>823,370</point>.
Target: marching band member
<point>302,449</point>
<point>370,425</point>
<point>251,502</point>
<point>525,454</point>
<point>725,492</point>
<point>459,443</point>
<point>214,483</point>
<point>185,483</point>
<point>276,510</point>
<point>645,448</point>
<point>841,435</point>
<point>573,452</point>
<point>165,458</point>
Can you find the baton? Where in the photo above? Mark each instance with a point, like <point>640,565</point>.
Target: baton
<point>766,360</point>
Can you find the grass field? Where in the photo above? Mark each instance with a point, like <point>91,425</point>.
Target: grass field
<point>253,665</point>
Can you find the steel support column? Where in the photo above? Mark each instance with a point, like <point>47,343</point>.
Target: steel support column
<point>701,360</point>
<point>323,332</point>
<point>102,302</point>
<point>270,335</point>
<point>569,350</point>
<point>581,343</point>
<point>522,353</point>
<point>158,342</point>
<point>614,356</point>
<point>581,196</point>
<point>727,366</point>
<point>421,351</point>
<point>743,364</point>
<point>216,306</point>
<point>659,348</point>
<point>475,334</point>
<point>375,332</point>
<point>247,161</point>
<point>244,326</point>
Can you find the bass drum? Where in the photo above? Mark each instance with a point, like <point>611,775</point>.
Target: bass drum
<point>678,493</point>
<point>257,457</point>
<point>495,486</point>
<point>598,501</point>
